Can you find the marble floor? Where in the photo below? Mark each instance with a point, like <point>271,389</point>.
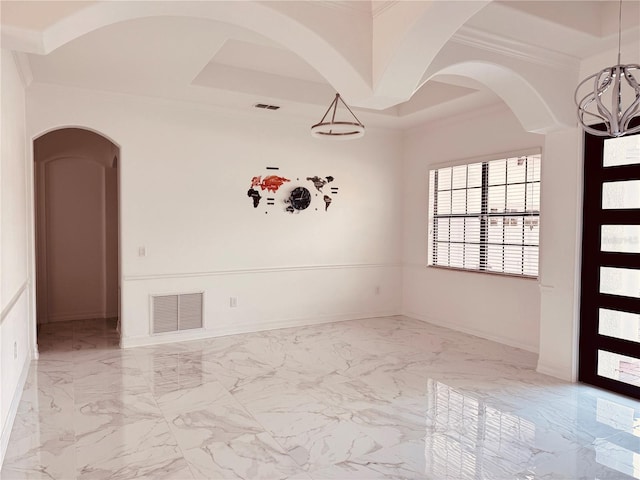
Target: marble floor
<point>366,399</point>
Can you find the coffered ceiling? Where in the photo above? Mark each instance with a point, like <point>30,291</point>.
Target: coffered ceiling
<point>386,58</point>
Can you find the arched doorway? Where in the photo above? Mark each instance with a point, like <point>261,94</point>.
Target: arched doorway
<point>77,247</point>
<point>533,109</point>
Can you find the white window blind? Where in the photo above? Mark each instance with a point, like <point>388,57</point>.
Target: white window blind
<point>485,216</point>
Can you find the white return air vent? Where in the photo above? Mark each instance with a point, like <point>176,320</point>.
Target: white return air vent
<point>172,313</point>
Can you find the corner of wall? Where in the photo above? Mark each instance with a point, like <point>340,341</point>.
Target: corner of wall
<point>16,318</point>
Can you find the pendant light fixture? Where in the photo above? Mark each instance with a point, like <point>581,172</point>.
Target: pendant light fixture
<point>338,129</point>
<point>615,86</point>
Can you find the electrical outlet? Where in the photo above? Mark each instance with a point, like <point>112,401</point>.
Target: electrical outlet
<point>142,251</point>
<point>15,350</point>
<point>233,302</point>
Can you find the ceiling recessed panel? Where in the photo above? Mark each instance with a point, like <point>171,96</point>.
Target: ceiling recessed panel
<point>266,59</point>
<point>38,15</point>
<point>152,56</point>
<point>204,61</point>
<point>433,93</point>
<point>262,84</point>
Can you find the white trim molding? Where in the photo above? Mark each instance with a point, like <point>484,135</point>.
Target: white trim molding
<point>65,317</point>
<point>471,331</point>
<point>13,409</point>
<point>378,8</point>
<point>24,68</point>
<point>474,37</point>
<point>202,333</point>
<point>554,372</point>
<point>7,309</point>
<point>251,271</point>
<point>22,39</point>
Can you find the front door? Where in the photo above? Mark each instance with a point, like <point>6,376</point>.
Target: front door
<point>610,298</point>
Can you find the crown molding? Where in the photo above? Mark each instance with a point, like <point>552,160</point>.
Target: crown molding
<point>379,7</point>
<point>24,68</point>
<point>490,42</point>
<point>351,6</point>
<point>22,39</point>
<point>373,8</point>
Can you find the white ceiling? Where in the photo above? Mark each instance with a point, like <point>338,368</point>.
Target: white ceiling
<point>206,61</point>
<point>38,15</point>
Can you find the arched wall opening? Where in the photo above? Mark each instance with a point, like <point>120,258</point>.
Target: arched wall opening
<point>524,100</point>
<point>546,120</point>
<point>276,22</point>
<point>76,217</point>
<point>374,67</point>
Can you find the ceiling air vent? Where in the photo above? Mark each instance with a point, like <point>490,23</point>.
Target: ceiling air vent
<point>264,106</point>
<point>172,313</point>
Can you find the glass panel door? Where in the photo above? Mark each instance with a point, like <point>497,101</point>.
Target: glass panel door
<point>610,298</point>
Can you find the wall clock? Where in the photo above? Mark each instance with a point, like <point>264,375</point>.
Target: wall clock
<point>300,198</point>
<point>295,197</point>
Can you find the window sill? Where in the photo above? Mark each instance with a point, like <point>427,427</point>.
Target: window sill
<point>484,272</point>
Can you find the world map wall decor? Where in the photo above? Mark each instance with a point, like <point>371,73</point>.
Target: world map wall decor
<point>291,195</point>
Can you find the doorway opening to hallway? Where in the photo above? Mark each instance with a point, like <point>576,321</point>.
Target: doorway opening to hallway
<point>76,186</point>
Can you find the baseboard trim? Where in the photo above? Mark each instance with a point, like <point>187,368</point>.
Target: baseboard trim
<point>201,334</point>
<point>554,372</point>
<point>13,410</point>
<point>471,331</point>
<point>66,317</point>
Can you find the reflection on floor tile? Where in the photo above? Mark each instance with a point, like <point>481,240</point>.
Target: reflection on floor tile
<point>252,456</point>
<point>389,398</point>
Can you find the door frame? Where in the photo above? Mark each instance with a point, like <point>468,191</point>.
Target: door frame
<point>590,340</point>
<point>31,224</point>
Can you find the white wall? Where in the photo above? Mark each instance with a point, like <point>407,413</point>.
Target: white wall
<point>537,315</point>
<point>561,240</point>
<point>15,288</point>
<point>75,239</point>
<point>501,308</point>
<point>185,172</point>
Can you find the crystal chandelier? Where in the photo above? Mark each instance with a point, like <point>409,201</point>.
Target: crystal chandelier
<point>338,129</point>
<point>615,86</point>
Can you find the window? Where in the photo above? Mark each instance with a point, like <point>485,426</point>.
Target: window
<point>485,216</point>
